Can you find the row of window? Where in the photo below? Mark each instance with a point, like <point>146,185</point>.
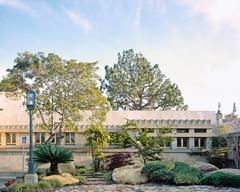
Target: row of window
<point>182,130</point>
<point>198,142</point>
<point>39,138</point>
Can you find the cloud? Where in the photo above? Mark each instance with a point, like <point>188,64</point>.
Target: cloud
<point>217,13</point>
<point>17,4</point>
<point>79,20</point>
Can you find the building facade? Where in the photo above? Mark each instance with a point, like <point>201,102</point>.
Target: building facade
<point>191,131</point>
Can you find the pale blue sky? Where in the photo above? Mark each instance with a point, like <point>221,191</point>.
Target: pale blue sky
<point>195,42</point>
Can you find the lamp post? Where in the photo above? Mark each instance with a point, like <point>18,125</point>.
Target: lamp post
<point>31,176</point>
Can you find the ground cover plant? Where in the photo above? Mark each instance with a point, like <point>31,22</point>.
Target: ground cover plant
<point>183,174</point>
<point>40,186</point>
<point>222,179</point>
<point>159,171</point>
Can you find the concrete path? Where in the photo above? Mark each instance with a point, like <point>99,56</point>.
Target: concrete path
<point>145,188</point>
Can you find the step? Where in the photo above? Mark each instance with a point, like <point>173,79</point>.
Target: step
<point>95,183</point>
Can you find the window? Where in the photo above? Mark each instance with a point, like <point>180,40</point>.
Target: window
<point>182,130</point>
<point>182,142</point>
<point>69,138</point>
<point>200,142</point>
<point>200,130</point>
<point>39,138</point>
<point>11,138</point>
<point>168,144</point>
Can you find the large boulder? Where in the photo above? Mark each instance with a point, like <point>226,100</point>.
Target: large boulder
<point>130,174</point>
<point>64,179</point>
<point>203,166</point>
<point>66,168</point>
<point>228,170</point>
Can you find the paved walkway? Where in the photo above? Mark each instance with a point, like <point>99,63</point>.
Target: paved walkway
<point>145,188</point>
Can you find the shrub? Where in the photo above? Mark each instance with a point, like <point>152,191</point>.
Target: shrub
<point>162,176</point>
<point>151,167</point>
<point>52,154</point>
<point>117,160</point>
<point>40,186</point>
<point>108,177</point>
<point>222,179</point>
<point>159,171</point>
<point>185,175</point>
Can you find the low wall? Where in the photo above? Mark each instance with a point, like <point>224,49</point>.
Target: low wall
<point>11,159</point>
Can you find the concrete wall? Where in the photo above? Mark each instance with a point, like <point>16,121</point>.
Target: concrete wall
<point>11,159</point>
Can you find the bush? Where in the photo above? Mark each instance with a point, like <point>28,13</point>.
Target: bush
<point>108,177</point>
<point>151,167</point>
<point>159,171</point>
<point>162,176</point>
<point>222,179</point>
<point>117,160</point>
<point>185,175</point>
<point>40,186</point>
<point>81,179</point>
<point>53,154</point>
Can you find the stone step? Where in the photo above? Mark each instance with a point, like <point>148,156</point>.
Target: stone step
<point>95,183</point>
<point>95,179</point>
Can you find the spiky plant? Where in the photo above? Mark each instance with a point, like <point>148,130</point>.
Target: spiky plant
<point>53,154</point>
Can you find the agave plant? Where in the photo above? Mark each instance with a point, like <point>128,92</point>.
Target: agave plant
<point>53,154</point>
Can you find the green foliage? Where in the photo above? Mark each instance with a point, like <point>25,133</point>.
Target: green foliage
<point>108,177</point>
<point>40,186</point>
<point>84,171</point>
<point>82,179</point>
<point>149,145</point>
<point>96,138</point>
<point>162,176</point>
<point>134,84</point>
<point>63,87</point>
<point>186,175</point>
<point>151,167</point>
<point>222,179</point>
<point>52,154</point>
<point>159,171</point>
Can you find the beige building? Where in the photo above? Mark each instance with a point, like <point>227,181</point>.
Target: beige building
<point>191,130</point>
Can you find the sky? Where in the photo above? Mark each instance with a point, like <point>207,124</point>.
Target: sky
<point>195,42</point>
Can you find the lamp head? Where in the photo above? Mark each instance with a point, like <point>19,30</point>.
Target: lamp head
<point>31,96</point>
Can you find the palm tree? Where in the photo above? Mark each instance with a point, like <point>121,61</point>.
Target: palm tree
<point>53,154</point>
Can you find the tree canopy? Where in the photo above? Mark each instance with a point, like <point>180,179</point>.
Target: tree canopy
<point>134,84</point>
<point>63,88</point>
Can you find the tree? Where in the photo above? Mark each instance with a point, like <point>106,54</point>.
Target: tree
<point>231,133</point>
<point>96,138</point>
<point>134,84</point>
<point>63,87</point>
<point>149,145</point>
<point>52,154</point>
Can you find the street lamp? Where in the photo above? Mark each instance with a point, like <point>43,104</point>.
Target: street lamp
<point>31,177</point>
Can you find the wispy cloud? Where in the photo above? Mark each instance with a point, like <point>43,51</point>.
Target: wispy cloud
<point>79,20</point>
<point>217,13</point>
<point>17,4</point>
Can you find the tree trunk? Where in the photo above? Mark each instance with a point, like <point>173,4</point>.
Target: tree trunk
<point>54,168</point>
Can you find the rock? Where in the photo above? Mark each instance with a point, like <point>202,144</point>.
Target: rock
<point>136,160</point>
<point>64,179</point>
<point>130,174</point>
<point>232,171</point>
<point>66,168</point>
<point>205,167</point>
